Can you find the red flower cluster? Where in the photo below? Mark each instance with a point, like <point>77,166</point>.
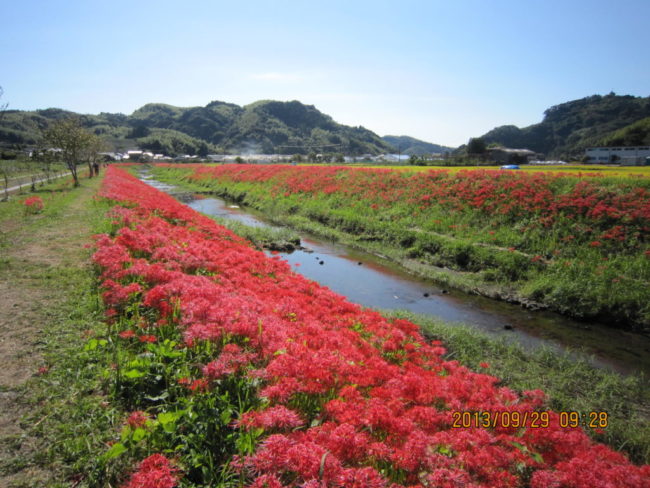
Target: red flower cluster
<point>137,419</point>
<point>613,211</point>
<point>33,204</point>
<point>154,472</point>
<point>354,399</point>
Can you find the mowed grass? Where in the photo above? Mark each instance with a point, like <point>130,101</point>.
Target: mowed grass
<point>58,405</point>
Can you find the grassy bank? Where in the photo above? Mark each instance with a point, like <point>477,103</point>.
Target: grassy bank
<point>70,411</point>
<point>273,239</point>
<point>571,384</point>
<point>58,419</point>
<point>579,247</point>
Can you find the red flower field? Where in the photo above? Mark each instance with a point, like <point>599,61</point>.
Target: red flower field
<point>349,398</point>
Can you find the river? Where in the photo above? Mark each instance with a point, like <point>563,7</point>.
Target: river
<point>374,282</point>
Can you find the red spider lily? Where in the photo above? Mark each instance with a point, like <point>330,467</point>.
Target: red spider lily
<point>154,472</point>
<point>137,419</point>
<point>353,399</point>
<point>33,204</point>
<point>127,334</point>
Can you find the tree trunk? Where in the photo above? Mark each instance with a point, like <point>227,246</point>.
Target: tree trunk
<point>6,178</point>
<point>73,169</point>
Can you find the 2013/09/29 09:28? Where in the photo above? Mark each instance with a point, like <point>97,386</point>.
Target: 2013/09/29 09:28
<point>528,419</point>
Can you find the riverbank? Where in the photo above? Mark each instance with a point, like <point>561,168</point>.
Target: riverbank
<point>302,372</point>
<point>540,245</point>
<point>571,383</point>
<point>62,407</point>
<point>54,419</point>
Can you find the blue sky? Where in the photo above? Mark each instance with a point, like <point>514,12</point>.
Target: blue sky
<point>442,71</point>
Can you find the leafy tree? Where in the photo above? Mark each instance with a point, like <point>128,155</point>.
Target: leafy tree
<point>3,106</point>
<point>72,140</point>
<point>202,150</point>
<point>414,160</point>
<point>90,153</point>
<point>476,145</point>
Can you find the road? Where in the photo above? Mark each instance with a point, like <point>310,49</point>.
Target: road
<point>29,183</point>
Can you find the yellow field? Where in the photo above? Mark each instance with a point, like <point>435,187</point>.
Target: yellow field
<point>572,169</point>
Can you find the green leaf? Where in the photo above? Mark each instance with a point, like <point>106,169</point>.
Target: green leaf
<point>535,455</point>
<point>126,433</point>
<point>116,449</point>
<point>139,434</point>
<point>167,417</point>
<point>226,416</point>
<point>134,373</point>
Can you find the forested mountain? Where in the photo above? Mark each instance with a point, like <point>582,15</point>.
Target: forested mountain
<point>636,134</point>
<point>294,128</point>
<point>261,127</point>
<point>411,146</point>
<point>568,128</point>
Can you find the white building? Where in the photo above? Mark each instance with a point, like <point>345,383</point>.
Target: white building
<point>630,155</point>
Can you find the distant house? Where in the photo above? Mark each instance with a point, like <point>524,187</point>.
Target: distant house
<point>506,155</point>
<point>134,155</point>
<point>624,155</point>
<point>111,156</point>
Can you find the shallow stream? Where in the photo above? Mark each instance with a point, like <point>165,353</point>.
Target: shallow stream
<point>374,282</point>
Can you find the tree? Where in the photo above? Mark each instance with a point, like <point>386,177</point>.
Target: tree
<point>45,158</point>
<point>3,106</point>
<point>72,141</point>
<point>94,145</point>
<point>476,145</point>
<point>3,169</point>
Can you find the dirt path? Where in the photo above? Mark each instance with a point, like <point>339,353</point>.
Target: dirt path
<point>36,251</point>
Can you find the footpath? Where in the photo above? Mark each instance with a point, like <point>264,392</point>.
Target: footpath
<point>41,260</point>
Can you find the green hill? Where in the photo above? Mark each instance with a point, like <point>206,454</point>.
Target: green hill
<point>636,134</point>
<point>262,127</point>
<point>411,146</point>
<point>568,128</point>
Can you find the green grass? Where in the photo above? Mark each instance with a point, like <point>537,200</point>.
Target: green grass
<point>271,238</point>
<point>66,417</point>
<point>71,413</point>
<point>571,384</point>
